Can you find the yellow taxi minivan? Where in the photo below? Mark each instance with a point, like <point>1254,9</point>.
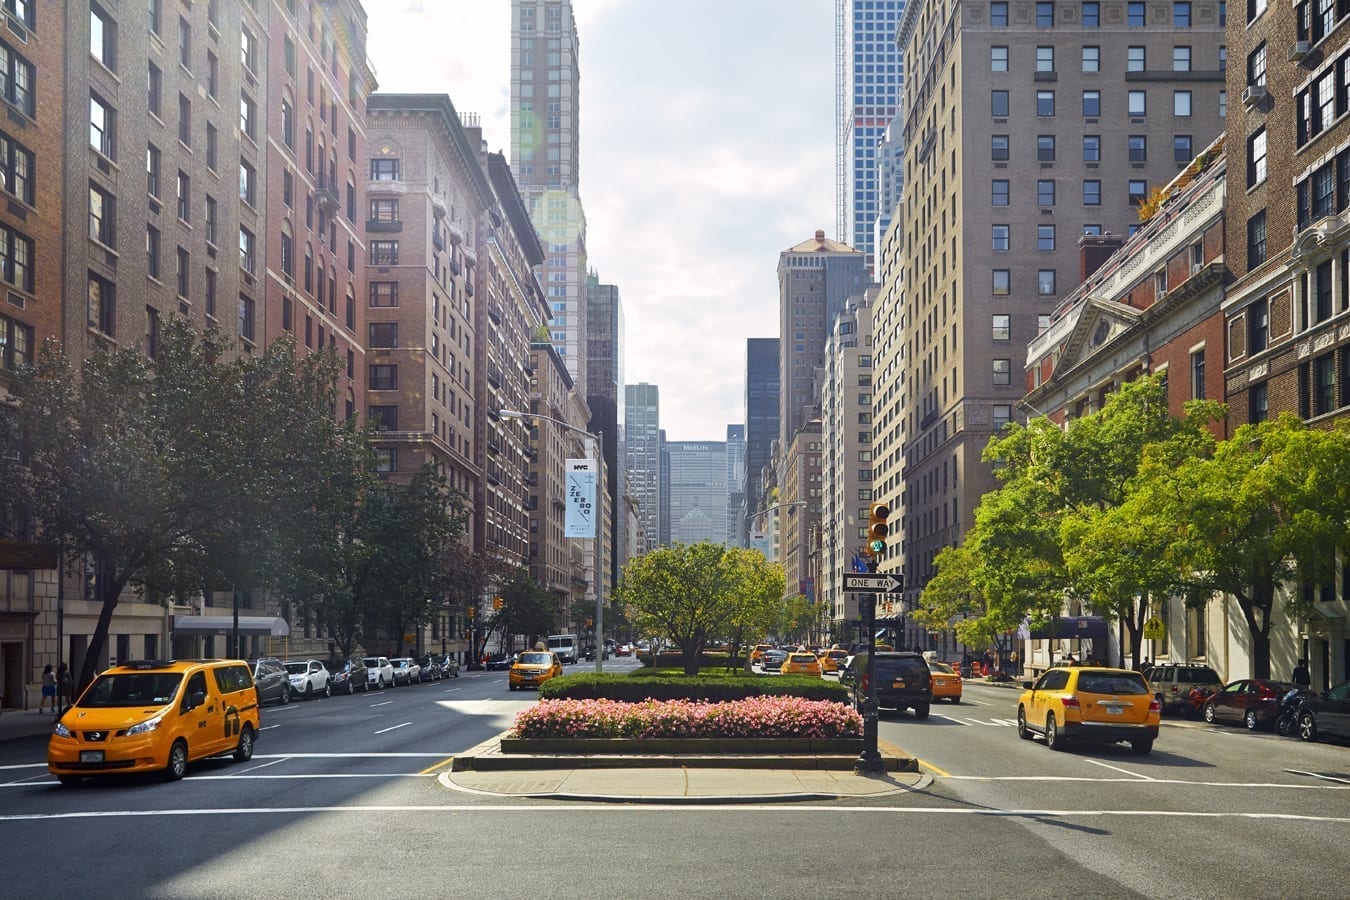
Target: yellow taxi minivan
<point>532,668</point>
<point>1089,703</point>
<point>803,663</point>
<point>156,716</point>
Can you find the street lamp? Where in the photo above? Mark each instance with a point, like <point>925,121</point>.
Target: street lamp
<point>597,536</point>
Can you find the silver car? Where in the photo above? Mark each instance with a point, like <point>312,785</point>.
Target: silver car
<point>1172,683</point>
<point>379,671</point>
<point>309,678</point>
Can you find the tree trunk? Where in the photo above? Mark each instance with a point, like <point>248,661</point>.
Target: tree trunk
<point>111,590</point>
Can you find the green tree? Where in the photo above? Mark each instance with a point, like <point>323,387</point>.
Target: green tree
<point>528,608</point>
<point>693,592</point>
<point>1260,516</point>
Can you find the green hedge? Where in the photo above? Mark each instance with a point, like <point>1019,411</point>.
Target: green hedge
<point>673,659</point>
<point>675,685</point>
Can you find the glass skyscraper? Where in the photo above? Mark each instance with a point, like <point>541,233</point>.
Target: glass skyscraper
<point>876,73</point>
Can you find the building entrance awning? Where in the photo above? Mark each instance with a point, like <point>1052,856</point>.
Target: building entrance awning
<point>1067,628</point>
<point>274,626</point>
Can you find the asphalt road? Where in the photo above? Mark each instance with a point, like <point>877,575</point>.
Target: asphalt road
<point>342,797</point>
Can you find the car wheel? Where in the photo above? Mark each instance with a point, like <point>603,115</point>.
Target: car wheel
<point>1307,726</point>
<point>350,688</point>
<point>1054,738</point>
<point>244,752</point>
<point>178,761</point>
<point>1250,720</point>
<point>1209,713</point>
<point>1142,747</point>
<point>921,712</point>
<point>309,691</point>
<point>69,780</point>
<point>511,686</point>
<point>1022,730</point>
<point>286,695</point>
<point>328,689</point>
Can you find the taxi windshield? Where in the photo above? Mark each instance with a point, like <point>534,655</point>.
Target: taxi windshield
<point>141,689</point>
<point>535,659</point>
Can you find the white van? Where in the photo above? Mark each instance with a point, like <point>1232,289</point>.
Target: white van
<point>567,646</point>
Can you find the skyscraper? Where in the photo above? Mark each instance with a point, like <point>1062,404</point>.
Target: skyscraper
<point>698,491</point>
<point>642,439</point>
<point>868,99</point>
<point>736,485</point>
<point>761,416</point>
<point>604,363</point>
<point>545,81</point>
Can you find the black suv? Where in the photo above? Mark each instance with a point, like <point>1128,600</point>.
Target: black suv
<point>271,679</point>
<point>903,680</point>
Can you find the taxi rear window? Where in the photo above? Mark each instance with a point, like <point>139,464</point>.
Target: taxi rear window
<point>232,678</point>
<point>1112,683</point>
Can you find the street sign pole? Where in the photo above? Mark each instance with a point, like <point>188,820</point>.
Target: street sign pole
<point>870,759</point>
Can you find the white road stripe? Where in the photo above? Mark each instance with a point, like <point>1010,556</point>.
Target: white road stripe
<point>755,809</point>
<point>1121,771</point>
<point>1318,775</point>
<point>24,766</point>
<point>1151,781</point>
<point>451,690</point>
<point>950,719</point>
<point>1009,722</point>
<point>393,727</point>
<point>256,768</point>
<point>381,703</point>
<point>268,727</point>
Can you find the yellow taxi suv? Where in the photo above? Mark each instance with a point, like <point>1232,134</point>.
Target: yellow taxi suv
<point>946,681</point>
<point>1089,703</point>
<point>832,660</point>
<point>156,716</point>
<point>532,668</point>
<point>804,663</point>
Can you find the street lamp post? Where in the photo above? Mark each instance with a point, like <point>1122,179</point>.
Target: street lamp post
<point>598,537</point>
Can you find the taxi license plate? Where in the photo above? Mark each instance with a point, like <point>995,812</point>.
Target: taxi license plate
<point>91,756</point>
<point>897,684</point>
<point>1115,710</point>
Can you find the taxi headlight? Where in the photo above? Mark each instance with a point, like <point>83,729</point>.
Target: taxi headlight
<point>146,727</point>
<point>61,730</point>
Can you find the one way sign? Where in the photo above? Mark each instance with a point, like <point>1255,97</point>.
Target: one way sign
<point>872,584</point>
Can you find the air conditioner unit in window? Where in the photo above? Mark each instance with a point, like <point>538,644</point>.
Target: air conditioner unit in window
<point>1253,95</point>
<point>1298,50</point>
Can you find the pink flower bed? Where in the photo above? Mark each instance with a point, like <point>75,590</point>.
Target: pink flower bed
<point>755,717</point>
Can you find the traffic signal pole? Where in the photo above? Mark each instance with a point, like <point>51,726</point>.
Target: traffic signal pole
<point>870,760</point>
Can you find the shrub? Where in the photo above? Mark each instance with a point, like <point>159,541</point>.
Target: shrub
<point>759,717</point>
<point>708,659</point>
<point>675,685</point>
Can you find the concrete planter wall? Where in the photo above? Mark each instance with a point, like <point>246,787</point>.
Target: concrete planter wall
<point>681,746</point>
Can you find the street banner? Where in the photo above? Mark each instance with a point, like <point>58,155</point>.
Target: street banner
<point>580,480</point>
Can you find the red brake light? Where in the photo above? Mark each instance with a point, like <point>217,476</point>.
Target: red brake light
<point>1070,702</point>
<point>1154,705</point>
<point>1174,688</point>
<point>1263,691</point>
<point>864,682</point>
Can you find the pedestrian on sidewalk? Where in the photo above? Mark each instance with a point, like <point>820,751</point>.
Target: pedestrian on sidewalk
<point>1300,675</point>
<point>48,689</point>
<point>64,684</point>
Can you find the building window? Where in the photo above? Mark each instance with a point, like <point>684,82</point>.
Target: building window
<point>1181,104</point>
<point>1258,326</point>
<point>16,80</point>
<point>1254,9</point>
<point>1000,197</point>
<point>184,196</point>
<point>1002,281</point>
<point>1138,147</point>
<point>101,216</point>
<point>246,318</point>
<point>1181,148</point>
<point>102,305</point>
<point>1045,59</point>
<point>184,43</point>
<point>1181,15</point>
<point>383,334</point>
<point>1002,326</point>
<point>998,59</point>
<point>248,50</point>
<point>211,293</point>
<point>1256,158</point>
<point>1092,59</point>
<point>184,273</point>
<point>1001,238</point>
<point>1198,374</point>
<point>211,147</point>
<point>1045,282</point>
<point>384,169</point>
<point>1324,384</point>
<point>1045,148</point>
<point>1181,59</point>
<point>1256,239</point>
<point>384,253</point>
<point>383,293</point>
<point>184,120</point>
<point>998,103</point>
<point>16,169</point>
<point>386,459</point>
<point>1258,403</point>
<point>1045,15</point>
<point>383,378</point>
<point>212,75</point>
<point>1092,193</point>
<point>384,211</point>
<point>248,184</point>
<point>1092,148</point>
<point>154,89</point>
<point>152,251</point>
<point>288,124</point>
<point>1045,192</point>
<point>998,147</point>
<point>248,116</point>
<point>998,14</point>
<point>1092,15</point>
<point>1256,66</point>
<point>1045,237</point>
<point>1092,104</point>
<point>1134,12</point>
<point>1137,103</point>
<point>1045,103</point>
<point>210,219</point>
<point>248,259</point>
<point>287,256</point>
<point>101,126</point>
<point>1002,371</point>
<point>1138,190</point>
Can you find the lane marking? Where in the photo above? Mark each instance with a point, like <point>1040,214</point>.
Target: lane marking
<point>440,765</point>
<point>381,703</point>
<point>24,766</point>
<point>393,727</point>
<point>1318,775</point>
<point>1012,723</point>
<point>440,755</point>
<point>757,809</point>
<point>268,727</point>
<point>949,719</point>
<point>451,690</point>
<point>263,766</point>
<point>932,768</point>
<point>1120,770</point>
<point>1151,781</point>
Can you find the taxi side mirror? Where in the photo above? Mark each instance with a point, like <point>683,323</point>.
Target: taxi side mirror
<point>1026,685</point>
<point>196,699</point>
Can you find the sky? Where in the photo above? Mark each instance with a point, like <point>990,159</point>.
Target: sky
<point>707,148</point>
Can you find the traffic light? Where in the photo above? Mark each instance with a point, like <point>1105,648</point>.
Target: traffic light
<point>498,602</point>
<point>472,612</point>
<point>877,529</point>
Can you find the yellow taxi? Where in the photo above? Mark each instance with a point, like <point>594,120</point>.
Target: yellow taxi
<point>802,662</point>
<point>1089,703</point>
<point>156,716</point>
<point>757,653</point>
<point>532,668</point>
<point>832,660</point>
<point>946,681</point>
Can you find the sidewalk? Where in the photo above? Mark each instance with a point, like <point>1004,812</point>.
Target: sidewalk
<point>22,723</point>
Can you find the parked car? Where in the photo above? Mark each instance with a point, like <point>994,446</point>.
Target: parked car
<point>772,660</point>
<point>406,670</point>
<point>347,676</point>
<point>271,679</point>
<point>431,668</point>
<point>1089,703</point>
<point>903,680</point>
<point>623,650</point>
<point>500,662</point>
<point>946,681</point>
<point>449,667</point>
<point>1327,714</point>
<point>533,668</point>
<point>1172,684</point>
<point>1255,702</point>
<point>308,678</point>
<point>379,671</point>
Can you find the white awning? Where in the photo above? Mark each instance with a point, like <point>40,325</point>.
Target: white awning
<point>269,625</point>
